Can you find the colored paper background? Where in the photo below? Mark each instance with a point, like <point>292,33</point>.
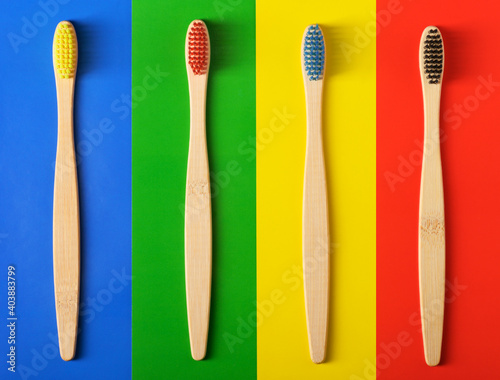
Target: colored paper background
<point>470,158</point>
<point>28,132</point>
<point>160,146</point>
<point>257,325</point>
<point>349,141</point>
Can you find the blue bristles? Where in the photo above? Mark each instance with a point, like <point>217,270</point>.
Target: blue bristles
<point>314,53</point>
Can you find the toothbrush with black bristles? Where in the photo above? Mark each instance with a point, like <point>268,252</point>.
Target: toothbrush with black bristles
<point>315,233</point>
<point>431,242</point>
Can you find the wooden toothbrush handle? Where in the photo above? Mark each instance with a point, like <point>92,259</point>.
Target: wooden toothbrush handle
<point>432,243</point>
<point>315,239</point>
<point>198,236</point>
<point>66,229</point>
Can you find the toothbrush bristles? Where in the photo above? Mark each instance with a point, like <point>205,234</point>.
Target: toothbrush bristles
<point>198,48</point>
<point>65,53</point>
<point>314,53</point>
<point>433,56</point>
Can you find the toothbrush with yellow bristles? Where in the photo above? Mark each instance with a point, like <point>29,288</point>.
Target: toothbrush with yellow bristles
<point>66,228</point>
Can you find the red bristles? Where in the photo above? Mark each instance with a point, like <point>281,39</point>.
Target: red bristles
<point>198,48</point>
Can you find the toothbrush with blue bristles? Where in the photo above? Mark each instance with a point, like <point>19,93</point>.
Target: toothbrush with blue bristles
<point>315,232</point>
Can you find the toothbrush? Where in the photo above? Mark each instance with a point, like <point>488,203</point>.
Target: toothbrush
<point>66,229</point>
<point>431,242</point>
<point>315,233</point>
<point>198,223</point>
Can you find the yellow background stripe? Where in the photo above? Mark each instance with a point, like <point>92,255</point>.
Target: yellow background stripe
<point>349,131</point>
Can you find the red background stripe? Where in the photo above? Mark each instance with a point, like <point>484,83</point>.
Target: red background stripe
<point>471,160</point>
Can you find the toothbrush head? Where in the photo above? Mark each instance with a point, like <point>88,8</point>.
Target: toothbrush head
<point>431,55</point>
<point>313,53</point>
<point>65,51</point>
<point>198,48</point>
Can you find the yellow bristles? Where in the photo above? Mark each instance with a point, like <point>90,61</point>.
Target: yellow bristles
<point>65,54</point>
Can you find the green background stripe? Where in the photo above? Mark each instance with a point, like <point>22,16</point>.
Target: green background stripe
<point>160,136</point>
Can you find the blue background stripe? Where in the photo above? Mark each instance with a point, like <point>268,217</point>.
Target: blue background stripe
<point>28,131</point>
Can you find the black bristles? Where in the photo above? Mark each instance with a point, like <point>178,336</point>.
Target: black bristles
<point>433,56</point>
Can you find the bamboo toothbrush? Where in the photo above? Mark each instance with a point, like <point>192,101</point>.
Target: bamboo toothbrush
<point>198,223</point>
<point>431,242</point>
<point>66,229</point>
<point>315,233</point>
